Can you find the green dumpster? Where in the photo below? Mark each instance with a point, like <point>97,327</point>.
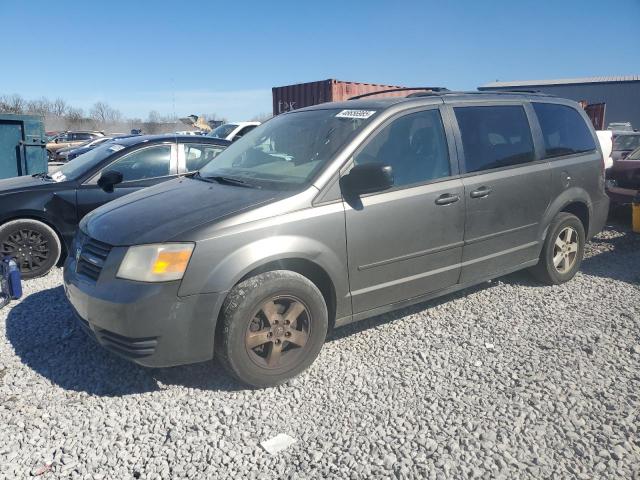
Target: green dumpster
<point>22,145</point>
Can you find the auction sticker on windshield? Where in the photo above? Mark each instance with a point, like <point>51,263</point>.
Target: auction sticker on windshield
<point>355,114</point>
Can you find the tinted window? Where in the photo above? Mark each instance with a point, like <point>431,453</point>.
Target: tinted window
<point>564,130</point>
<point>82,136</point>
<point>148,162</point>
<point>494,137</point>
<point>197,156</point>
<point>414,146</point>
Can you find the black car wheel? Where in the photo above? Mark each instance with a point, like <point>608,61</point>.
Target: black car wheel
<point>272,328</point>
<point>34,245</point>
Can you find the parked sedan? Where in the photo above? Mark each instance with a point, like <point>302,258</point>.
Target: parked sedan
<point>39,215</point>
<point>69,139</point>
<point>69,153</point>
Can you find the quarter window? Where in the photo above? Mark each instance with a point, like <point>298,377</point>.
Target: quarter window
<point>564,130</point>
<point>494,136</point>
<point>197,156</point>
<point>148,162</point>
<point>414,145</point>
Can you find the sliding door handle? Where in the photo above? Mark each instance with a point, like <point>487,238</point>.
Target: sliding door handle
<point>480,193</point>
<point>447,199</point>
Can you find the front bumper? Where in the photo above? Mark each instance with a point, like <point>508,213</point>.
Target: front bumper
<point>147,323</point>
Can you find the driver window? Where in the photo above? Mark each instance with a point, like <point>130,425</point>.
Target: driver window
<point>414,145</point>
<point>148,162</point>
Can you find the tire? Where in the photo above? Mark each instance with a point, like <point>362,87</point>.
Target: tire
<point>262,315</point>
<point>34,244</point>
<point>548,270</point>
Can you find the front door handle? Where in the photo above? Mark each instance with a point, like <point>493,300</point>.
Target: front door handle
<point>447,199</point>
<point>480,193</point>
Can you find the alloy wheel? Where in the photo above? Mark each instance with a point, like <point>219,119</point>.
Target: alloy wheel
<point>565,250</point>
<point>278,332</point>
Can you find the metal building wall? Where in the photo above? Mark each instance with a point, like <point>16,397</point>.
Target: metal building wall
<point>622,98</point>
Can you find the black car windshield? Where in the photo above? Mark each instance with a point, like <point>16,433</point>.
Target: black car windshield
<point>80,165</point>
<point>626,142</point>
<point>635,155</point>
<point>290,149</point>
<point>222,131</point>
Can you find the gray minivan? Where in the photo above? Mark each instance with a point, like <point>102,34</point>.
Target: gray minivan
<point>333,213</point>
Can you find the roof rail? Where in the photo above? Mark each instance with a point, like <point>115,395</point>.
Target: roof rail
<point>519,90</point>
<point>403,89</point>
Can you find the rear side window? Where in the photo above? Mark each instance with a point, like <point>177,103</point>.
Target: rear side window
<point>494,136</point>
<point>564,130</point>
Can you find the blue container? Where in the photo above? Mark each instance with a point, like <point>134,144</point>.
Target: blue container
<point>22,145</point>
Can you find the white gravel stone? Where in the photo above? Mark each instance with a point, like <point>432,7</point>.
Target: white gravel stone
<point>396,396</point>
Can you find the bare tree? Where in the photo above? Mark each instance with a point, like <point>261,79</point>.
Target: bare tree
<point>103,114</point>
<point>12,104</point>
<point>74,117</point>
<point>59,107</point>
<point>41,106</point>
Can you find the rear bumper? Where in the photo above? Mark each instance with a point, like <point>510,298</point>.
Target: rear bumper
<point>144,322</point>
<point>622,196</point>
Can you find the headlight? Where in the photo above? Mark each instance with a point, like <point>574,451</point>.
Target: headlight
<point>160,262</point>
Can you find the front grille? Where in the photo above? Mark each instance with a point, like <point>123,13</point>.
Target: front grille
<point>127,346</point>
<point>93,254</point>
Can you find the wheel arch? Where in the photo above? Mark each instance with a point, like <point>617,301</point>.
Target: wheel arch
<point>573,200</point>
<point>308,269</point>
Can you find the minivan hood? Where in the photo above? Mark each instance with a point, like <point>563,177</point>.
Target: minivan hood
<point>160,213</point>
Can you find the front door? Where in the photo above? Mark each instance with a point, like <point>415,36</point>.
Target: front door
<point>507,189</point>
<point>141,168</point>
<point>407,241</point>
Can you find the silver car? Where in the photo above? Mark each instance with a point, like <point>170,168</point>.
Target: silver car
<point>330,214</point>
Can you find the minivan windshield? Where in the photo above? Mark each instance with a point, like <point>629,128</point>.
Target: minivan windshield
<point>289,150</point>
<point>626,142</point>
<point>77,167</point>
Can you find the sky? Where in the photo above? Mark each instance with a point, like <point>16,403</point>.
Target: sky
<point>224,57</point>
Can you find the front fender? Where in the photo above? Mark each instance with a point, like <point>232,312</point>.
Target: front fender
<point>232,267</point>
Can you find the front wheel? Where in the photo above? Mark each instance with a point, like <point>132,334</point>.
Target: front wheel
<point>273,326</point>
<point>562,251</point>
<point>34,245</point>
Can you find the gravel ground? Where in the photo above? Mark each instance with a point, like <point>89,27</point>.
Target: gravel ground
<point>506,380</point>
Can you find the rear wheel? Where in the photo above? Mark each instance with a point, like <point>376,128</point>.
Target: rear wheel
<point>562,252</point>
<point>272,328</point>
<point>34,245</point>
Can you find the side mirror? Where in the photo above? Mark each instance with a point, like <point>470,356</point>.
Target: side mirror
<point>367,178</point>
<point>56,140</point>
<point>109,179</point>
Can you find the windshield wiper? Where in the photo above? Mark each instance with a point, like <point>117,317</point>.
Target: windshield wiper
<point>232,181</point>
<point>42,175</point>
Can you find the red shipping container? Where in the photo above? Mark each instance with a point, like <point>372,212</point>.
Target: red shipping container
<point>292,97</point>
